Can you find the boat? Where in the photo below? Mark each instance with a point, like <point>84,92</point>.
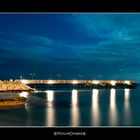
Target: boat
<point>17,101</point>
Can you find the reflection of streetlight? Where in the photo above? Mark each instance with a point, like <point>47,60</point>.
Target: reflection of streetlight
<point>32,74</point>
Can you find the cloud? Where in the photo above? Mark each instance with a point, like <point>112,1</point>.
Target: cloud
<point>35,47</point>
<point>121,27</point>
<point>35,39</point>
<point>39,39</point>
<point>94,25</point>
<point>107,44</point>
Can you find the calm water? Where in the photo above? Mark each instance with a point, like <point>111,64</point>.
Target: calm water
<point>112,107</point>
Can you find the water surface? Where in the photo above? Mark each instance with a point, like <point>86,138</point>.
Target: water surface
<point>106,107</point>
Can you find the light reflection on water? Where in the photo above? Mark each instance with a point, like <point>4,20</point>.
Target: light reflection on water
<point>50,96</point>
<point>74,108</point>
<point>95,107</point>
<point>113,108</point>
<point>50,112</point>
<point>127,105</point>
<point>90,106</point>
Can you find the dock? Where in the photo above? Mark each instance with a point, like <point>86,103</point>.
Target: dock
<point>90,83</point>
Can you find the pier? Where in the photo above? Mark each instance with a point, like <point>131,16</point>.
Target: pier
<point>32,85</point>
<point>88,83</point>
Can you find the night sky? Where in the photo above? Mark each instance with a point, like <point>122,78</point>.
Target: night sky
<point>77,46</point>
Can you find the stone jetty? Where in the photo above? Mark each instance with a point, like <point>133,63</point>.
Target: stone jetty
<point>14,86</point>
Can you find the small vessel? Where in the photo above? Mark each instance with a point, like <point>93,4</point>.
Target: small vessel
<point>16,101</point>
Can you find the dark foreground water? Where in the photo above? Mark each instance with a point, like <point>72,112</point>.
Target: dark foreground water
<point>112,107</point>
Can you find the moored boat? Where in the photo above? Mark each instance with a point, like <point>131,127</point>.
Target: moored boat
<point>12,101</point>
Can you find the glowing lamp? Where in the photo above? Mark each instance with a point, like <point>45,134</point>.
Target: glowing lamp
<point>50,82</point>
<point>95,82</point>
<point>127,82</point>
<point>24,81</point>
<point>74,82</point>
<point>113,83</point>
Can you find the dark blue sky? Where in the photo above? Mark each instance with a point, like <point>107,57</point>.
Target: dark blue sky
<point>88,46</point>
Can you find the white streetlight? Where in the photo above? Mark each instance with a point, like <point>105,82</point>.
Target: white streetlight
<point>32,74</point>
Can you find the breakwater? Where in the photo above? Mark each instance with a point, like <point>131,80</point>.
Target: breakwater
<point>83,83</point>
<point>14,86</point>
<point>25,85</point>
